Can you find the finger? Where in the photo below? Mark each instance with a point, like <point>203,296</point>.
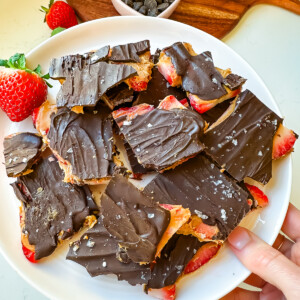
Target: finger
<point>291,223</point>
<point>295,253</point>
<point>241,294</point>
<point>255,280</point>
<point>265,261</point>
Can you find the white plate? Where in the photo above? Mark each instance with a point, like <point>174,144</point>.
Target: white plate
<point>61,279</point>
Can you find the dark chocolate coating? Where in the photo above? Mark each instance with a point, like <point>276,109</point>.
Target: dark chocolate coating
<point>243,143</point>
<point>50,206</point>
<point>98,255</point>
<point>63,67</point>
<point>234,81</point>
<point>84,140</point>
<point>200,186</point>
<point>136,221</point>
<point>87,85</point>
<point>100,55</point>
<point>118,95</point>
<point>199,75</point>
<point>158,88</point>
<point>21,151</point>
<point>135,166</point>
<point>155,56</point>
<point>212,115</point>
<point>179,250</point>
<point>161,138</point>
<point>129,52</point>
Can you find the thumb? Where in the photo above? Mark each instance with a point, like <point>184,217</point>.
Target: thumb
<point>266,262</point>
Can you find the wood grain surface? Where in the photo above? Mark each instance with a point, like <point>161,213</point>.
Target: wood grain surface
<point>216,17</point>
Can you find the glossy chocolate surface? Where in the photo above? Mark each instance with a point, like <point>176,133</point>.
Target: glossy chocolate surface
<point>242,144</point>
<point>134,220</point>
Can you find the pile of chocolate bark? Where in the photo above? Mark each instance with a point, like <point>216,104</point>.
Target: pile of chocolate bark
<point>174,115</point>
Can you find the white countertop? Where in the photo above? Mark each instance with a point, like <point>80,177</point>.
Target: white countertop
<point>267,37</point>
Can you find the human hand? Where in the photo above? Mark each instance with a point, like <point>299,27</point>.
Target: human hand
<point>275,272</point>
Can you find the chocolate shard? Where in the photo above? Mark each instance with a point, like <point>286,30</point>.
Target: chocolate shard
<point>199,75</point>
<point>53,209</point>
<point>136,167</point>
<point>242,143</point>
<point>158,88</point>
<point>129,52</point>
<point>200,186</point>
<point>87,85</point>
<point>136,221</point>
<point>155,56</point>
<point>212,115</point>
<point>100,55</point>
<point>175,256</point>
<point>96,251</point>
<point>234,81</point>
<point>161,138</point>
<point>64,66</point>
<point>118,95</point>
<point>85,141</point>
<point>21,151</point>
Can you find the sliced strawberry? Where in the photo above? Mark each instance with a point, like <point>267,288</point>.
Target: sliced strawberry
<point>184,102</point>
<point>166,293</point>
<point>258,195</point>
<point>201,106</point>
<point>203,255</point>
<point>170,102</point>
<point>136,84</point>
<point>130,112</point>
<point>29,254</point>
<point>179,216</point>
<point>283,141</point>
<point>35,115</point>
<point>167,69</point>
<point>197,228</point>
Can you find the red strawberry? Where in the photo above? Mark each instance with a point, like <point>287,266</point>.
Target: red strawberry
<point>170,102</point>
<point>203,255</point>
<point>59,14</point>
<point>136,84</point>
<point>35,114</point>
<point>184,102</point>
<point>166,293</point>
<point>283,142</point>
<point>21,89</point>
<point>29,254</point>
<point>258,195</point>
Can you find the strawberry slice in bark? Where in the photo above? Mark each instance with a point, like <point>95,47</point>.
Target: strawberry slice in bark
<point>283,142</point>
<point>166,293</point>
<point>179,216</point>
<point>170,102</point>
<point>203,256</point>
<point>258,195</point>
<point>185,103</point>
<point>29,254</point>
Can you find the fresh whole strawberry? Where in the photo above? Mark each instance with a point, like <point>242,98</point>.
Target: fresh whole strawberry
<point>21,89</point>
<point>59,14</point>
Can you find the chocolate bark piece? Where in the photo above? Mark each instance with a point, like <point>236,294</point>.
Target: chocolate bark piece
<point>97,250</point>
<point>53,209</point>
<point>234,81</point>
<point>85,141</point>
<point>64,66</point>
<point>100,55</point>
<point>118,95</point>
<point>200,186</point>
<point>129,52</point>
<point>199,75</point>
<point>21,151</point>
<point>161,138</point>
<point>136,167</point>
<point>158,88</point>
<point>155,56</point>
<point>175,256</point>
<point>212,115</point>
<point>136,221</point>
<point>87,85</point>
<point>242,143</point>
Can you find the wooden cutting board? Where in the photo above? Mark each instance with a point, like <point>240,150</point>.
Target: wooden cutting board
<point>216,17</point>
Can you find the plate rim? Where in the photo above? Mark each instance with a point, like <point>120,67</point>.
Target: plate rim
<point>261,82</point>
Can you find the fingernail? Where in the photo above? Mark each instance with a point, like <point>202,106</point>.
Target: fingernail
<point>239,238</point>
